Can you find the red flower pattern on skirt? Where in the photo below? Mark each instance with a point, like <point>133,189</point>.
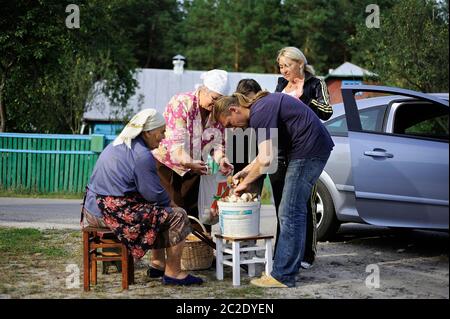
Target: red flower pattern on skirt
<point>127,217</point>
<point>130,233</point>
<point>149,237</point>
<point>133,220</point>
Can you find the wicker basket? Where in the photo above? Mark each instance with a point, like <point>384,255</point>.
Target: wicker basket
<point>196,253</point>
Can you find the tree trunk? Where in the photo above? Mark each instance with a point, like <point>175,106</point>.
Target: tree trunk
<point>2,104</point>
<point>236,56</point>
<point>4,73</point>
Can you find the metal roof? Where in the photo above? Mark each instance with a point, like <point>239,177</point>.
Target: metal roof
<point>157,86</point>
<point>348,69</point>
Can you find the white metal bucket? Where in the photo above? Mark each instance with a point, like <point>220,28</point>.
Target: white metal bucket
<point>239,219</point>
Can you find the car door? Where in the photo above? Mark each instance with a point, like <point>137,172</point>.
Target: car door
<point>400,180</point>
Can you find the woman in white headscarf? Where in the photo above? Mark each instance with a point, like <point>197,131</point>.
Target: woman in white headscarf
<point>191,135</point>
<point>125,194</point>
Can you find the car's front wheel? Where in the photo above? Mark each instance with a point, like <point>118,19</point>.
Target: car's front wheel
<point>327,222</point>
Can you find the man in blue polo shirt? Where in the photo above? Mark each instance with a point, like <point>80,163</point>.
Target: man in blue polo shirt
<point>307,144</point>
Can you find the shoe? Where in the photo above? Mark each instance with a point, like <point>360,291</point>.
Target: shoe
<point>154,272</point>
<point>267,282</point>
<point>305,265</point>
<point>189,280</point>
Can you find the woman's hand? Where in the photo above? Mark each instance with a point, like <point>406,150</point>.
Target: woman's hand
<point>197,167</point>
<point>225,167</point>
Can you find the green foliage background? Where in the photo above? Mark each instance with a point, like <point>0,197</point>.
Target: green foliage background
<point>47,71</point>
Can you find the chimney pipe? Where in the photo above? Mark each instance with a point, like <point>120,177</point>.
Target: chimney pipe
<point>178,64</point>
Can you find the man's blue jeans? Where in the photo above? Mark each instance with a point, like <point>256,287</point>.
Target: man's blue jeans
<point>301,175</point>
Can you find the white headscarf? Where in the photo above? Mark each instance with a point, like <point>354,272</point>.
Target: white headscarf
<point>145,120</point>
<point>216,80</point>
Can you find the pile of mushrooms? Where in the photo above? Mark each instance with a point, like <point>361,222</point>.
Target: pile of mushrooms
<point>244,198</point>
<point>233,198</point>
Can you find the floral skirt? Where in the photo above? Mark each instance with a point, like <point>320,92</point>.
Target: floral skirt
<point>141,225</point>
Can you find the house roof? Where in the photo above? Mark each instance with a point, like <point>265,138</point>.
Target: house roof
<point>349,70</point>
<point>157,86</point>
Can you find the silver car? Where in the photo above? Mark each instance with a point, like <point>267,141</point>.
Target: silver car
<point>390,163</point>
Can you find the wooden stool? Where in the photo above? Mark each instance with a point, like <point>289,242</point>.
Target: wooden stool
<point>248,255</point>
<point>95,238</point>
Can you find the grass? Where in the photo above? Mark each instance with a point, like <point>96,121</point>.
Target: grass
<point>33,260</point>
<point>28,241</point>
<point>25,193</point>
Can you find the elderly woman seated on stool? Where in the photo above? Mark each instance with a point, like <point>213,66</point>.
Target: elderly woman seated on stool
<point>125,194</point>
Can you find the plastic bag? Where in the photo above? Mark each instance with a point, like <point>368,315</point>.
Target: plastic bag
<point>212,188</point>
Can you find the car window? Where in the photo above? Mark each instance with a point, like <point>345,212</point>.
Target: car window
<point>422,120</point>
<point>371,120</point>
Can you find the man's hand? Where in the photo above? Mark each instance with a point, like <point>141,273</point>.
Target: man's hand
<point>240,175</point>
<point>241,188</point>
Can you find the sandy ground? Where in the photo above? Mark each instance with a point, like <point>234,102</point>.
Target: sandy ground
<point>412,264</point>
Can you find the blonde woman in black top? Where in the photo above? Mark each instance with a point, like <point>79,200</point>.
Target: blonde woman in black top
<point>299,81</point>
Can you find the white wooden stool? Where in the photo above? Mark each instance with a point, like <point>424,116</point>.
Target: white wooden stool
<point>242,251</point>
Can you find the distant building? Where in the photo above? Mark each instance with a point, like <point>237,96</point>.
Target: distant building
<point>155,88</point>
<point>347,73</point>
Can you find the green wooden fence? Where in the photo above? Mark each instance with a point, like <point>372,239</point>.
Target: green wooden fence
<point>47,163</point>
